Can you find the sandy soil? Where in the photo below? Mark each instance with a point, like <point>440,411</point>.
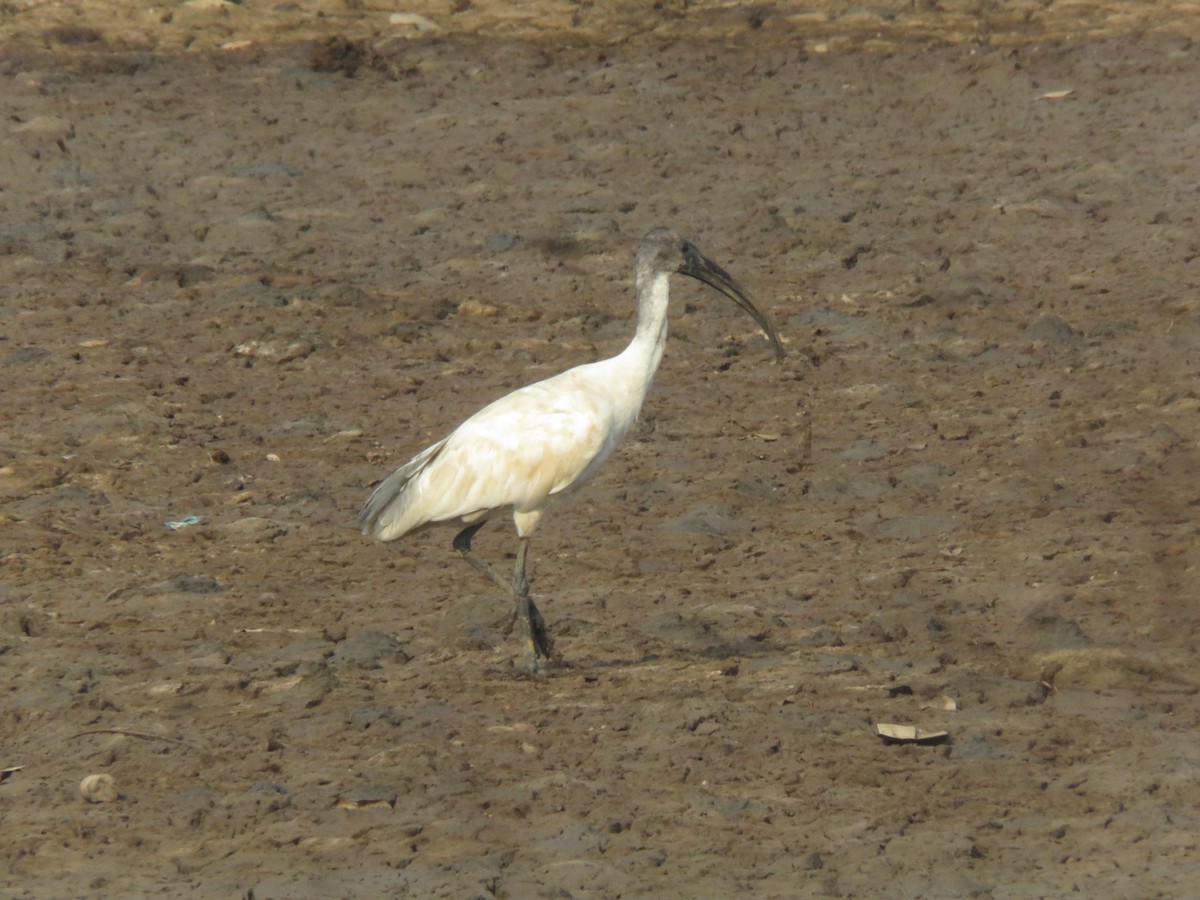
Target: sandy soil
<point>242,284</point>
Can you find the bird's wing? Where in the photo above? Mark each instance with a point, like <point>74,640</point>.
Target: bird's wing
<point>515,453</point>
<point>532,444</point>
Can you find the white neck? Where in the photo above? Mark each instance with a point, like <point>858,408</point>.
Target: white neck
<point>650,339</point>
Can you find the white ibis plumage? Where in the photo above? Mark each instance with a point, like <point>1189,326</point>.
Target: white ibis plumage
<point>544,440</point>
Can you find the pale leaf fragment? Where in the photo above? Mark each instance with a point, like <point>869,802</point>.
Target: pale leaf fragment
<point>99,788</point>
<point>909,734</point>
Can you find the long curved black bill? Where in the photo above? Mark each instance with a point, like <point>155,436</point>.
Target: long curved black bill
<point>697,265</point>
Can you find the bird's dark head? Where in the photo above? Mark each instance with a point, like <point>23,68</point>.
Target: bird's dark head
<point>663,250</point>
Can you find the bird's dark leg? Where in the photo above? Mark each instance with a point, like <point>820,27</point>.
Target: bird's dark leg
<point>462,543</point>
<point>539,643</point>
<point>527,611</point>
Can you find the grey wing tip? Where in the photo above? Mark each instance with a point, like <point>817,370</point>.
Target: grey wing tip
<point>391,488</point>
<point>368,516</point>
<point>365,525</point>
<point>365,514</point>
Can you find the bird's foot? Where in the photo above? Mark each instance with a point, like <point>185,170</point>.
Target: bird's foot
<point>512,622</point>
<point>533,666</point>
<point>539,665</point>
<point>537,639</point>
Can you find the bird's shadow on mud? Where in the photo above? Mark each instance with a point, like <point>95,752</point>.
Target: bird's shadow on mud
<point>587,661</point>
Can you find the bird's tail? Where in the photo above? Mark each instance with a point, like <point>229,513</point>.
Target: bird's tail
<point>385,507</point>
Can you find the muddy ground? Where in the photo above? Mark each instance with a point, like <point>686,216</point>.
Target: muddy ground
<point>242,284</point>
